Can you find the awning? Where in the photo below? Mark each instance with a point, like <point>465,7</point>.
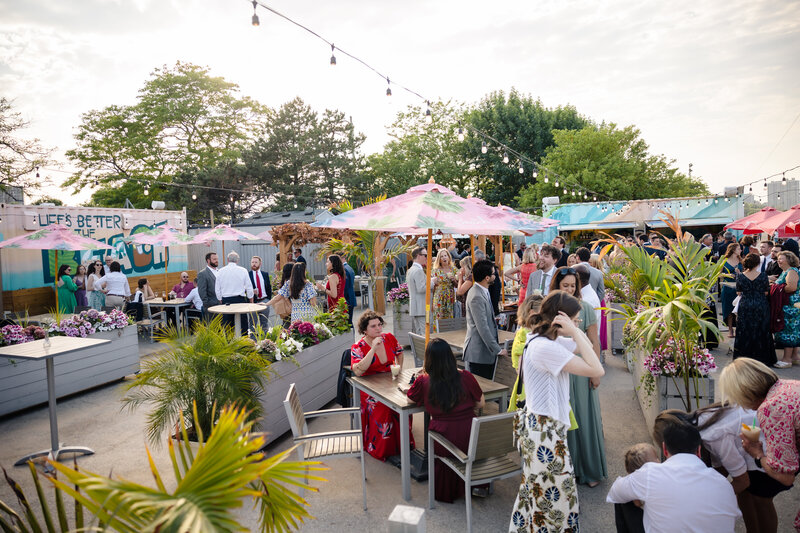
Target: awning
<point>597,225</point>
<point>691,222</point>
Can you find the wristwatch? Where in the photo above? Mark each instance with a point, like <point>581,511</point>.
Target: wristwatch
<point>758,461</point>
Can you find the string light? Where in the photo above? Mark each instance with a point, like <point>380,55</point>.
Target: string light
<point>535,173</point>
<point>389,88</point>
<point>784,178</point>
<point>505,157</point>
<point>779,196</point>
<point>146,191</point>
<point>194,197</point>
<point>547,178</point>
<point>556,183</point>
<point>255,16</point>
<point>484,148</point>
<point>428,115</point>
<point>460,134</point>
<point>521,168</point>
<point>333,57</point>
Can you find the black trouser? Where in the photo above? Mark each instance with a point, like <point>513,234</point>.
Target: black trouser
<point>482,370</point>
<point>350,309</point>
<point>227,320</point>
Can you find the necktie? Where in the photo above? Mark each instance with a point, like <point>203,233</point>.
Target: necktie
<point>258,283</point>
<point>544,283</point>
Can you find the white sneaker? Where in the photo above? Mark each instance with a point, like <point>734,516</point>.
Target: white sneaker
<point>782,364</point>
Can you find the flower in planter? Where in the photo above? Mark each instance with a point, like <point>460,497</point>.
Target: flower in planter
<point>14,334</point>
<point>268,349</point>
<point>323,333</point>
<point>398,295</point>
<point>304,332</point>
<point>289,347</point>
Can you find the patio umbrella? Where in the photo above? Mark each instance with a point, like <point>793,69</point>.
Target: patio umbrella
<point>165,236</point>
<point>266,236</point>
<point>425,209</point>
<point>748,224</point>
<point>54,237</point>
<point>223,232</point>
<point>777,223</point>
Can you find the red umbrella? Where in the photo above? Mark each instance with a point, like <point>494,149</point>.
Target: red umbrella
<point>749,224</point>
<point>778,222</point>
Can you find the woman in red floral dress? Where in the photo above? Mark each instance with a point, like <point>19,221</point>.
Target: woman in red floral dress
<point>376,352</point>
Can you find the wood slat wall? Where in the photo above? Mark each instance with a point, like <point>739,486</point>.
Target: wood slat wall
<point>43,299</point>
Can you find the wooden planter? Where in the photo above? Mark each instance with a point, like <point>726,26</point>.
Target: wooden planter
<point>315,378</point>
<point>665,395</point>
<point>23,384</point>
<point>401,324</point>
<point>616,329</point>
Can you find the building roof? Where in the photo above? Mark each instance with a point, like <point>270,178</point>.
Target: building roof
<point>276,218</point>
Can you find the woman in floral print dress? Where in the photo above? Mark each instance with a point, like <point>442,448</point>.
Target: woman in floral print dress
<point>548,498</point>
<point>444,283</point>
<point>376,352</point>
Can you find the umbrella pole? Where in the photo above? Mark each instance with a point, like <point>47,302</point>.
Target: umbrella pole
<point>502,270</point>
<point>166,268</point>
<point>472,249</point>
<point>428,289</point>
<point>56,278</point>
<point>223,251</point>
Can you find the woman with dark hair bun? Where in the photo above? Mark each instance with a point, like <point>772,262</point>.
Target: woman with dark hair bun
<point>300,292</point>
<point>334,288</point>
<point>66,290</point>
<point>753,338</point>
<point>450,397</point>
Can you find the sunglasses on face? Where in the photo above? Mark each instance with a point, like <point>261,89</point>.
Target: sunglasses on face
<point>567,270</point>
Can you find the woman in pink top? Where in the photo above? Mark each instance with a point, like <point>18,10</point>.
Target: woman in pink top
<point>528,267</point>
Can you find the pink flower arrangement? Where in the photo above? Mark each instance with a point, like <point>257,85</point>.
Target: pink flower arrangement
<point>398,295</point>
<point>304,332</point>
<point>670,359</point>
<point>89,322</point>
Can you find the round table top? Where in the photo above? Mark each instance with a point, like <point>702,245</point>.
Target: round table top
<point>237,308</point>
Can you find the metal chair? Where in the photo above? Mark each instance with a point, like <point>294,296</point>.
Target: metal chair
<point>417,348</point>
<point>451,324</point>
<point>315,446</point>
<point>487,459</point>
<point>150,321</point>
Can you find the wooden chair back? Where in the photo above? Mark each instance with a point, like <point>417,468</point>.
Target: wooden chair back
<point>417,348</point>
<point>451,324</point>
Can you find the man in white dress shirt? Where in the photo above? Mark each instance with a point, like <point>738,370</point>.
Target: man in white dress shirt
<point>540,280</point>
<point>233,287</point>
<point>415,278</point>
<point>682,493</point>
<point>115,285</point>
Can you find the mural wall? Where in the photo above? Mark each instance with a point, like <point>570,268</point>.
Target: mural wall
<point>27,269</point>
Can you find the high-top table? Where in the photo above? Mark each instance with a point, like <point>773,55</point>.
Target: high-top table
<point>385,389</point>
<point>38,350</point>
<point>236,310</point>
<point>177,303</point>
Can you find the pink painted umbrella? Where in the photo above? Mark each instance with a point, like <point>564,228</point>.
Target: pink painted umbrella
<point>777,223</point>
<point>165,236</point>
<point>223,232</point>
<point>266,236</point>
<point>54,237</point>
<point>749,224</point>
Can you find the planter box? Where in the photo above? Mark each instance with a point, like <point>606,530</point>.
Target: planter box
<point>665,395</point>
<point>316,378</point>
<point>615,327</point>
<point>23,384</point>
<point>401,324</point>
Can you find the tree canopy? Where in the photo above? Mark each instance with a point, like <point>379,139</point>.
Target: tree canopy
<point>19,158</point>
<point>613,162</point>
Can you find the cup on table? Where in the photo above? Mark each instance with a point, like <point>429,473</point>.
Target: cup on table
<point>395,371</point>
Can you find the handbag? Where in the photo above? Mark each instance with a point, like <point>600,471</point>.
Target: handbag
<point>283,307</point>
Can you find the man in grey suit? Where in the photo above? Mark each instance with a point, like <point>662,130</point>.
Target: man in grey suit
<point>416,279</point>
<point>595,276</point>
<point>206,283</point>
<point>480,346</point>
<point>540,280</point>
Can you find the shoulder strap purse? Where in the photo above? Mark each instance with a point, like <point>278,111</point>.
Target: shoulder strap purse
<point>520,380</point>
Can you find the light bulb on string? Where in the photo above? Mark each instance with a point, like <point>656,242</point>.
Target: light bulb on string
<point>461,134</point>
<point>565,190</point>
<point>37,171</point>
<point>556,183</point>
<point>146,191</point>
<point>546,178</point>
<point>194,197</point>
<point>388,87</point>
<point>428,115</point>
<point>521,169</point>
<point>751,187</point>
<point>505,157</point>
<point>255,16</point>
<point>779,196</point>
<point>765,184</point>
<point>535,173</point>
<point>333,57</point>
<point>716,200</point>
<point>484,148</point>
<point>784,177</point>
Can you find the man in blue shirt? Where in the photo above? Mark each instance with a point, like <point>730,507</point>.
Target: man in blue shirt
<point>350,290</point>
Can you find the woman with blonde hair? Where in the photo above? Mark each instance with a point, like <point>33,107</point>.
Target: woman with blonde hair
<point>463,282</point>
<point>753,385</point>
<point>444,285</point>
<point>789,337</point>
<point>572,260</point>
<point>524,270</point>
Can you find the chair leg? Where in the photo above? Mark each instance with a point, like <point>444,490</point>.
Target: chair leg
<point>431,474</point>
<point>468,498</point>
<point>363,478</point>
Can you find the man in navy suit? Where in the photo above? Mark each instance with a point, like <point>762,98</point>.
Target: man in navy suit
<point>262,289</point>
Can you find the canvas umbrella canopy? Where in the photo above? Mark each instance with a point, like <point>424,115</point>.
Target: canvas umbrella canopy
<point>265,236</point>
<point>223,232</point>
<point>425,209</point>
<point>748,224</point>
<point>165,236</point>
<point>54,237</point>
<point>777,223</point>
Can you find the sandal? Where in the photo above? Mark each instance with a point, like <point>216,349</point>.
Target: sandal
<point>782,364</point>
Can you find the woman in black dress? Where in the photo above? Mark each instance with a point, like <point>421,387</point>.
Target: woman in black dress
<point>753,338</point>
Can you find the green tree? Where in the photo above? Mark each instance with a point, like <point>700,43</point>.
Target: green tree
<point>612,162</point>
<point>19,158</point>
<point>420,150</point>
<point>339,160</point>
<point>523,124</point>
<point>47,200</point>
<point>184,118</point>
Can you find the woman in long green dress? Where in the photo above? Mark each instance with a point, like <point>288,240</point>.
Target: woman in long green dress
<point>586,444</point>
<point>444,292</point>
<point>66,290</point>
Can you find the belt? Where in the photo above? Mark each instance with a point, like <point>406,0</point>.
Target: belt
<point>120,295</point>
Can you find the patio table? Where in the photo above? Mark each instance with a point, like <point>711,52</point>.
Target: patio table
<point>38,350</point>
<point>236,310</point>
<point>385,389</point>
<point>177,303</point>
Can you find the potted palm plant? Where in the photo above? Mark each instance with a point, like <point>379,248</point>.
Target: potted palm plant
<point>210,369</point>
<point>670,321</point>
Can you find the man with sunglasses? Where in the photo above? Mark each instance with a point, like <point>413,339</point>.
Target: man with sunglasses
<point>416,278</point>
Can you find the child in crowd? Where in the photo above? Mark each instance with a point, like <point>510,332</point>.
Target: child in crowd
<point>629,516</point>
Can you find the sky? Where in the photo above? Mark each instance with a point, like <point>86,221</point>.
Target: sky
<point>710,83</point>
